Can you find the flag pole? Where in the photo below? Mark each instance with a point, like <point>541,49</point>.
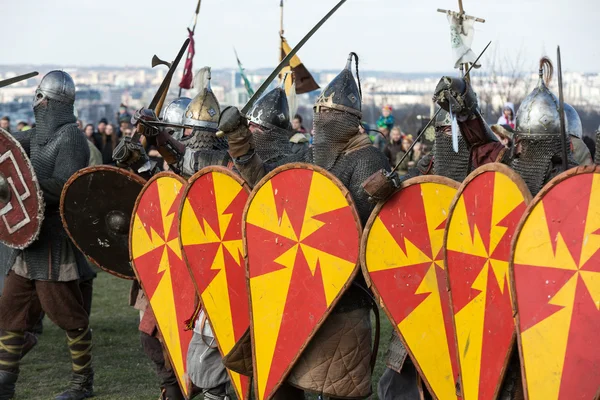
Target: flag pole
<point>193,30</point>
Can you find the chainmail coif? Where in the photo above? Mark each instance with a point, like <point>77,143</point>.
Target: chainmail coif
<point>272,145</point>
<point>50,117</point>
<point>447,162</point>
<point>333,130</point>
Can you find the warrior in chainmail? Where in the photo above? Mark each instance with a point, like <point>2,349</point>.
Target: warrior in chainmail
<point>477,146</point>
<point>341,149</point>
<point>538,144</point>
<point>45,273</point>
<point>191,146</point>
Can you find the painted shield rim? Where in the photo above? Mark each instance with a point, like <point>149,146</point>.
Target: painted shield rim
<point>351,203</point>
<point>74,177</point>
<point>182,383</point>
<point>581,170</point>
<point>39,194</point>
<point>527,198</point>
<point>188,187</point>
<point>436,179</point>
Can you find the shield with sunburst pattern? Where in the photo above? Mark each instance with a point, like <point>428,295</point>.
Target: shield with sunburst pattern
<point>158,263</point>
<point>301,232</point>
<point>555,269</point>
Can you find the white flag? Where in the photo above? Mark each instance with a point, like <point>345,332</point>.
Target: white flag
<point>461,39</point>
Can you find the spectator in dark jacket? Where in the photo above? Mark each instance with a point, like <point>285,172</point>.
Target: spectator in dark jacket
<point>394,146</point>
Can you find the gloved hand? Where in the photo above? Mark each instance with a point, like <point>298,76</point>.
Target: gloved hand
<point>142,119</point>
<point>130,154</point>
<point>235,126</point>
<point>456,93</point>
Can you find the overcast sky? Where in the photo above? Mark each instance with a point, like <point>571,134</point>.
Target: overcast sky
<point>391,35</point>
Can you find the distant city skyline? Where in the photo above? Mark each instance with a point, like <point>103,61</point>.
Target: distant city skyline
<point>389,35</point>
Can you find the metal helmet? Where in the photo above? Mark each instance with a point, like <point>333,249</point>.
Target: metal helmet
<point>174,113</point>
<point>574,127</point>
<point>55,85</point>
<point>342,93</point>
<point>272,110</point>
<point>203,111</point>
<point>538,114</point>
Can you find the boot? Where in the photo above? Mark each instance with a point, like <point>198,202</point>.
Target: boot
<point>81,387</point>
<point>30,342</point>
<point>171,392</point>
<point>8,381</point>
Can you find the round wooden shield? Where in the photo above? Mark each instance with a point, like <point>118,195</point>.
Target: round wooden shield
<point>96,206</point>
<point>159,266</point>
<point>402,256</point>
<point>301,233</point>
<point>21,201</point>
<point>482,221</point>
<point>555,270</point>
<point>211,240</point>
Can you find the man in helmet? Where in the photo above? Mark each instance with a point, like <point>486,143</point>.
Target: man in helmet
<point>44,276</point>
<point>189,150</point>
<point>538,145</point>
<point>269,122</point>
<point>341,149</point>
<point>581,153</point>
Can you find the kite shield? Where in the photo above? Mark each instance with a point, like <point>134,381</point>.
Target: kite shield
<point>21,201</point>
<point>301,234</point>
<point>211,240</point>
<point>402,256</point>
<point>481,224</point>
<point>96,206</point>
<point>159,266</point>
<point>555,272</point>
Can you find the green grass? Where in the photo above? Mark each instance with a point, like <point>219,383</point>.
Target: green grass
<point>122,369</point>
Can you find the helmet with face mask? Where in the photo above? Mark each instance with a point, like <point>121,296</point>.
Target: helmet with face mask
<point>174,113</point>
<point>338,112</point>
<point>53,104</point>
<point>202,116</point>
<point>271,114</point>
<point>538,133</point>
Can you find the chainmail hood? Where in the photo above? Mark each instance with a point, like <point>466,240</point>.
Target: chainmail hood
<point>333,130</point>
<point>272,145</point>
<point>50,117</point>
<point>448,163</point>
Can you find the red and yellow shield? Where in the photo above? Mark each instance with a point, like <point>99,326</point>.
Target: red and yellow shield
<point>483,218</point>
<point>402,254</point>
<point>301,233</point>
<point>158,263</point>
<point>555,269</point>
<point>211,239</point>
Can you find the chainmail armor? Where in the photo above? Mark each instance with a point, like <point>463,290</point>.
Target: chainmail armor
<point>333,130</point>
<point>204,139</point>
<point>539,161</point>
<point>55,156</point>
<point>448,163</point>
<point>272,145</point>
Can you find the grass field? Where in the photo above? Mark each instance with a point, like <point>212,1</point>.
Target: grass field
<point>122,369</point>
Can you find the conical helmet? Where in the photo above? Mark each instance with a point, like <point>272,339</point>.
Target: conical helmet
<point>272,110</point>
<point>342,93</point>
<point>203,111</point>
<point>573,122</point>
<point>174,113</point>
<point>538,115</point>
